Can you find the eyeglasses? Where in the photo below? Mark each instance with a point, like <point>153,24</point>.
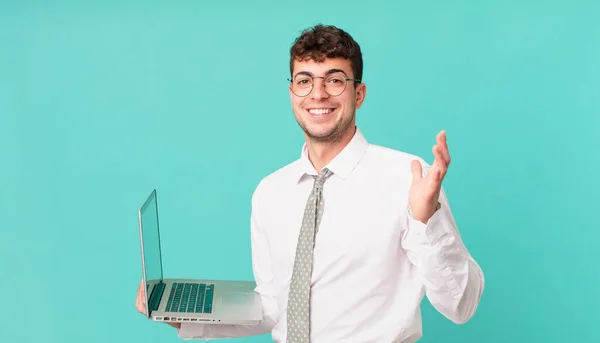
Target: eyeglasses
<point>334,84</point>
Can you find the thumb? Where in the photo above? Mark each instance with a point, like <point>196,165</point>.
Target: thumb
<point>417,170</point>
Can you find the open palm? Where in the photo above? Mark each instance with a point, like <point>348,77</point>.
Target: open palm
<point>425,190</point>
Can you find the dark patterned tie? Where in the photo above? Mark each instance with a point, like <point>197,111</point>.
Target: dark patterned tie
<point>298,319</point>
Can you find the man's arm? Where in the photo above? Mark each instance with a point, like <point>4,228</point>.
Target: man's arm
<point>262,269</point>
<point>454,282</point>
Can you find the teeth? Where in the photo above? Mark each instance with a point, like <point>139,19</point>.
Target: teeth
<point>319,111</point>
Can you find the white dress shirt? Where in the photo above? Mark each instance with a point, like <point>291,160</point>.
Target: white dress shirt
<point>373,263</point>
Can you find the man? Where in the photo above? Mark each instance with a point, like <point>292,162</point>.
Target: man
<point>348,239</point>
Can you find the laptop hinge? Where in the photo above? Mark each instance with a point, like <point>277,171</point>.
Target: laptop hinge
<point>157,292</point>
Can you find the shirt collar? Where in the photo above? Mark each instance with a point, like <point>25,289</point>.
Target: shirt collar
<point>343,164</point>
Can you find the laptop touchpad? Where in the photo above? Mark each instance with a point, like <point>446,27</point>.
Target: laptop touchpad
<point>238,298</point>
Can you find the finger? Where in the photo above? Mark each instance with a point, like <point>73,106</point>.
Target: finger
<point>439,160</point>
<point>138,300</point>
<point>441,136</point>
<point>443,143</point>
<point>417,170</point>
<point>140,306</point>
<point>435,175</point>
<point>437,171</point>
<point>440,172</point>
<point>139,303</point>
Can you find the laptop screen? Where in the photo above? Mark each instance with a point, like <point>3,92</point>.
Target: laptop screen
<point>151,239</point>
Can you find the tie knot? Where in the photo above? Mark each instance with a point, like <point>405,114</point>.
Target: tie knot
<point>320,179</point>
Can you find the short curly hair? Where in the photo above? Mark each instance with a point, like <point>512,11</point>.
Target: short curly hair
<point>320,42</point>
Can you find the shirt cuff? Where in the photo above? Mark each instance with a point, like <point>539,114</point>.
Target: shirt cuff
<point>430,232</point>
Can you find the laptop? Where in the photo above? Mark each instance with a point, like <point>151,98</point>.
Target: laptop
<point>189,300</point>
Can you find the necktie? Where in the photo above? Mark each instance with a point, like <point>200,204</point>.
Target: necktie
<point>299,295</point>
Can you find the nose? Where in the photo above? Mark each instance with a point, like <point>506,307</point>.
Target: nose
<point>318,91</point>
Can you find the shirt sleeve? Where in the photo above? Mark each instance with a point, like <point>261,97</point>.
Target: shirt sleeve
<point>261,265</point>
<point>453,281</point>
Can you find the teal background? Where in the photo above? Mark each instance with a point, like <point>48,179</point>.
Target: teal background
<point>102,101</point>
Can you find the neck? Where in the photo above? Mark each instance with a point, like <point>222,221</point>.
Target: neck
<point>320,153</point>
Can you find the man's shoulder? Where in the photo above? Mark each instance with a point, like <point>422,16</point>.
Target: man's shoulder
<point>278,179</point>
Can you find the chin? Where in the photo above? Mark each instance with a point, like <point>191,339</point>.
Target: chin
<point>325,129</point>
<point>324,135</point>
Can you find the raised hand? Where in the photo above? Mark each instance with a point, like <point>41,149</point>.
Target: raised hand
<point>425,190</point>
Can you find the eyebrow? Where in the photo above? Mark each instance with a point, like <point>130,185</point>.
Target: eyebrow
<point>328,72</point>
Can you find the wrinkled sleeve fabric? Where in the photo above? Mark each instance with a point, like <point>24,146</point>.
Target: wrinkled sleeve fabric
<point>261,265</point>
<point>453,281</point>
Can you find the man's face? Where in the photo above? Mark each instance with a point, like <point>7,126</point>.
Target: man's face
<point>326,118</point>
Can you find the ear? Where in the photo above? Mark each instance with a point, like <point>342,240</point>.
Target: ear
<point>361,93</point>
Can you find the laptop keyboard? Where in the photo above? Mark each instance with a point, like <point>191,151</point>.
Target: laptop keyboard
<point>191,298</point>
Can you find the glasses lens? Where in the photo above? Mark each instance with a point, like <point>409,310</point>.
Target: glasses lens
<point>335,84</point>
<point>302,85</point>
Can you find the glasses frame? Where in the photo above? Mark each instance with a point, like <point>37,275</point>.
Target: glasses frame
<point>291,80</point>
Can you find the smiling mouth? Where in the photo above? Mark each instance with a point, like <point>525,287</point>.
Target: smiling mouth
<point>320,111</point>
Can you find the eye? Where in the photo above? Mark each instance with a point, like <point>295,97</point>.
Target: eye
<point>303,81</point>
<point>335,81</point>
